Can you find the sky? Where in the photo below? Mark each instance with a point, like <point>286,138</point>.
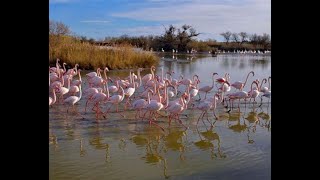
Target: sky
<point>104,18</point>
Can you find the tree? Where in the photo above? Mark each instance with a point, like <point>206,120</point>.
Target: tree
<point>169,38</point>
<point>184,37</point>
<point>178,38</point>
<point>235,37</point>
<point>226,36</point>
<point>58,28</point>
<point>243,36</point>
<point>254,38</point>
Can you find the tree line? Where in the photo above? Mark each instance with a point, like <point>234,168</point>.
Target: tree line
<point>182,39</point>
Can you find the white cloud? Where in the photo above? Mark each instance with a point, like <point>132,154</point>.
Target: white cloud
<point>59,1</point>
<point>208,17</point>
<point>143,30</point>
<point>94,21</point>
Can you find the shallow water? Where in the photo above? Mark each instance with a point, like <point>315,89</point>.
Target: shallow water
<point>237,147</point>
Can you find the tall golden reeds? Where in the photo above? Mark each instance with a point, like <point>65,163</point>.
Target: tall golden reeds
<point>71,51</point>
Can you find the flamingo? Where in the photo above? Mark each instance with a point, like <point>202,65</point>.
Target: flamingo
<point>254,92</point>
<point>78,81</point>
<point>53,99</point>
<point>55,69</point>
<point>114,88</point>
<point>240,85</point>
<point>195,90</point>
<point>266,94</point>
<point>223,79</point>
<point>75,88</point>
<point>176,109</point>
<point>71,100</point>
<point>90,92</point>
<point>116,99</point>
<point>63,90</point>
<point>97,81</point>
<point>93,74</point>
<point>73,71</point>
<point>138,105</point>
<point>207,89</point>
<point>130,91</point>
<point>149,76</point>
<point>98,98</point>
<point>205,106</point>
<point>265,89</point>
<point>153,107</point>
<point>240,95</point>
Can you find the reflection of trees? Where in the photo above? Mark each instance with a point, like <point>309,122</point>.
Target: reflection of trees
<point>266,118</point>
<point>150,138</point>
<point>206,141</point>
<point>244,60</point>
<point>96,140</point>
<point>253,118</point>
<point>238,127</point>
<point>173,140</point>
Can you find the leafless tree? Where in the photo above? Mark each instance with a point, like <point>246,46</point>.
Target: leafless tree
<point>243,36</point>
<point>226,35</point>
<point>58,28</point>
<point>235,37</point>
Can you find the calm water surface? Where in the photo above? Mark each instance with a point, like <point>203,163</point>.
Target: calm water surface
<point>237,147</point>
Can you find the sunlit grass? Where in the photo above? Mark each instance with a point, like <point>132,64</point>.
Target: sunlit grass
<point>72,51</point>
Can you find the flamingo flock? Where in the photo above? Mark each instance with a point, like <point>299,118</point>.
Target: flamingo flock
<point>151,95</point>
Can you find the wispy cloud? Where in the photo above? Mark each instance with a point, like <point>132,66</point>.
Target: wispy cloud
<point>95,21</point>
<point>143,30</point>
<point>59,1</point>
<point>252,16</point>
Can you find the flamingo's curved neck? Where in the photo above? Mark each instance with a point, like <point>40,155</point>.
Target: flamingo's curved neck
<point>263,80</point>
<point>248,77</point>
<point>80,95</point>
<point>54,96</point>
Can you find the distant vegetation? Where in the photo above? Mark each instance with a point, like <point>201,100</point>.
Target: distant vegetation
<point>71,50</point>
<point>182,39</point>
<point>117,52</point>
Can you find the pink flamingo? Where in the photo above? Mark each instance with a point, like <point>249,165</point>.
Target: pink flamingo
<point>93,74</point>
<point>116,99</point>
<point>114,88</point>
<point>75,88</point>
<point>130,91</point>
<point>98,81</point>
<point>254,92</point>
<point>73,71</point>
<point>195,90</point>
<point>265,89</point>
<point>53,99</point>
<point>89,93</point>
<point>266,94</point>
<point>138,105</point>
<point>205,106</point>
<point>148,77</point>
<point>78,81</point>
<point>223,79</point>
<point>98,98</point>
<point>240,85</point>
<point>176,109</point>
<point>63,90</point>
<point>71,100</point>
<point>240,95</point>
<point>207,89</point>
<point>153,107</point>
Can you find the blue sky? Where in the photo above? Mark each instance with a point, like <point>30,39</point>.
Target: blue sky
<point>101,18</point>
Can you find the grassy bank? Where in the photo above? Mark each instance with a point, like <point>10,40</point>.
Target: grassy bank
<point>71,51</point>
